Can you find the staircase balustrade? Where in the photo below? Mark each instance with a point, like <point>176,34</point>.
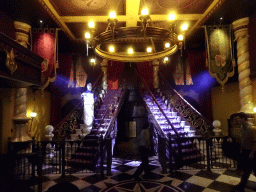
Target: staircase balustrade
<point>196,120</point>
<point>69,122</point>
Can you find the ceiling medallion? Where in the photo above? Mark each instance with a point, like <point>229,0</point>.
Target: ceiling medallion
<point>135,44</point>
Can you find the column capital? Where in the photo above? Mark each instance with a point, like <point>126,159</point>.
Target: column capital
<point>155,62</point>
<point>104,63</point>
<point>241,25</point>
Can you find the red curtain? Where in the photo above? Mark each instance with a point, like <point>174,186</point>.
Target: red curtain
<point>115,70</point>
<point>145,70</point>
<point>44,44</point>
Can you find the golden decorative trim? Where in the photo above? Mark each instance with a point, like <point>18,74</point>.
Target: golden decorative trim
<point>10,61</point>
<point>142,57</point>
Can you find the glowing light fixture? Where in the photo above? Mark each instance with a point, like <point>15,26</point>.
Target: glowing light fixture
<point>184,27</point>
<point>167,45</point>
<point>171,17</point>
<point>111,48</point>
<point>254,109</point>
<point>144,11</point>
<point>149,49</point>
<point>166,59</point>
<point>33,114</point>
<point>180,38</point>
<point>91,24</point>
<point>130,51</point>
<point>112,15</point>
<point>87,35</point>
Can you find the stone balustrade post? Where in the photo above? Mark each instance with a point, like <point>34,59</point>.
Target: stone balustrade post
<point>155,64</point>
<point>104,68</point>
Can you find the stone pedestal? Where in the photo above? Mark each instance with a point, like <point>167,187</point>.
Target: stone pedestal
<point>20,134</point>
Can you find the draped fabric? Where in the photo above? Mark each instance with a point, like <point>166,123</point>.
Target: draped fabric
<point>81,76</point>
<point>44,44</point>
<point>219,52</point>
<point>145,70</point>
<point>179,74</point>
<point>114,73</point>
<point>189,80</point>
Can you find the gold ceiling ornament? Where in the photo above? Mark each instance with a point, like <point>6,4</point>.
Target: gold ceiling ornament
<point>10,61</point>
<point>132,44</point>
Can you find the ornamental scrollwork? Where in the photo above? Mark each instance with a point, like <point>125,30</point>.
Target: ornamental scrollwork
<point>195,119</point>
<point>10,61</point>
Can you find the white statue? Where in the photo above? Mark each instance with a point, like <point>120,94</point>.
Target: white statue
<point>88,98</point>
<point>48,132</point>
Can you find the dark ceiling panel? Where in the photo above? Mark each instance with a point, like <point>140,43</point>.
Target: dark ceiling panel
<point>88,7</point>
<point>179,6</point>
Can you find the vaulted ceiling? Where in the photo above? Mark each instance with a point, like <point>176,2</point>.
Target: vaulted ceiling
<point>72,16</point>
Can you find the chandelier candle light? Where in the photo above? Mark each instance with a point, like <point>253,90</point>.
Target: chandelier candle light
<point>138,43</point>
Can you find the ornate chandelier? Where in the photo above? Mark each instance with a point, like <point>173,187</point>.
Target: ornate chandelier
<point>135,44</point>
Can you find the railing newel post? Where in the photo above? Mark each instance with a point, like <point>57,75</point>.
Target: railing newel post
<point>208,145</point>
<point>63,162</point>
<point>109,156</point>
<point>101,156</point>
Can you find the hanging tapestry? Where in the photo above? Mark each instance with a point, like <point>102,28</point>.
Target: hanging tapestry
<point>81,76</point>
<point>219,52</point>
<point>179,74</point>
<point>44,44</point>
<point>189,80</point>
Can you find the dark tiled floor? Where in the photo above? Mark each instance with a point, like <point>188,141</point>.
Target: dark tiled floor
<point>195,180</point>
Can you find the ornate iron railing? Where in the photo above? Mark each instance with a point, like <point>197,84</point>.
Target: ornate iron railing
<point>68,123</point>
<point>196,120</point>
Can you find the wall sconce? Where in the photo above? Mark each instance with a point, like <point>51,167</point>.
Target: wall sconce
<point>33,114</point>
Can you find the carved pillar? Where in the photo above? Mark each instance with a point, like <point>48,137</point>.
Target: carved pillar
<point>20,114</point>
<point>155,74</point>
<point>104,68</point>
<point>241,36</point>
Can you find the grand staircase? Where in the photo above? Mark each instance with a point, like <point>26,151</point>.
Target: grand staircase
<point>88,152</point>
<point>175,128</point>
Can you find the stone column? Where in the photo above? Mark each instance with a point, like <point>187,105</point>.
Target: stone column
<point>240,28</point>
<point>155,64</point>
<point>104,68</point>
<point>20,114</point>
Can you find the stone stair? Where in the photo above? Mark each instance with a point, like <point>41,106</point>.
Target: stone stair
<point>87,154</point>
<point>189,153</point>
